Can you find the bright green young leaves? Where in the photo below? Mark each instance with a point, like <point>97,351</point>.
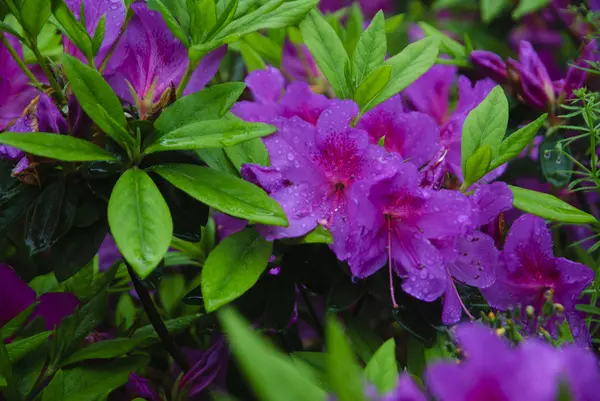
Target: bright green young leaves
<point>366,77</point>
<point>382,369</point>
<point>233,267</point>
<point>140,221</point>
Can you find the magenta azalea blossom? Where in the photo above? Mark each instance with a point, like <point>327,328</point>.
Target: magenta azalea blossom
<point>15,91</point>
<point>529,270</point>
<point>114,12</point>
<point>413,135</point>
<point>399,223</point>
<point>430,93</point>
<point>369,7</point>
<point>298,62</point>
<point>492,371</point>
<point>211,364</point>
<point>406,390</point>
<point>16,296</point>
<point>317,168</point>
<point>271,101</point>
<point>490,65</point>
<point>148,59</point>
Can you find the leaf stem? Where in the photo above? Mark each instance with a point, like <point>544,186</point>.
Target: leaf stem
<point>19,61</point>
<point>49,75</point>
<point>157,322</point>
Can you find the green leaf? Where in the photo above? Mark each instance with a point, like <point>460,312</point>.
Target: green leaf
<point>370,50</point>
<point>125,313</point>
<point>209,134</point>
<point>382,369</point>
<point>548,207</point>
<point>95,381</point>
<point>372,85</point>
<point>16,323</point>
<point>99,35</point>
<point>342,368</point>
<point>328,51</point>
<point>230,195</point>
<point>209,104</point>
<point>485,125</point>
<point>354,28</point>
<point>98,100</point>
<point>265,47</point>
<point>528,6</point>
<point>514,144</point>
<point>34,15</point>
<point>140,221</point>
<point>216,159</point>
<point>273,376</point>
<point>319,235</point>
<point>252,59</point>
<point>6,373</point>
<point>107,349</point>
<point>55,390</point>
<point>477,165</point>
<point>72,28</point>
<point>589,309</point>
<point>252,151</point>
<point>174,326</point>
<point>393,23</point>
<point>233,267</point>
<point>55,146</point>
<point>203,17</point>
<point>170,20</point>
<point>17,350</point>
<point>407,66</point>
<point>447,44</point>
<point>555,162</point>
<point>490,9</point>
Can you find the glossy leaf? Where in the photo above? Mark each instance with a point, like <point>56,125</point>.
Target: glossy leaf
<point>230,195</point>
<point>549,207</point>
<point>170,20</point>
<point>372,85</point>
<point>140,221</point>
<point>107,349</point>
<point>98,100</point>
<point>447,44</point>
<point>528,6</point>
<point>490,9</point>
<point>70,26</point>
<point>55,146</point>
<point>34,15</point>
<point>209,134</point>
<point>477,165</point>
<point>17,350</point>
<point>233,267</point>
<point>328,51</point>
<point>273,376</point>
<point>485,125</point>
<point>555,162</point>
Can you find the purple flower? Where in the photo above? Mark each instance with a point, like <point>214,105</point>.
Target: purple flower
<point>109,253</point>
<point>149,59</point>
<point>430,93</point>
<point>298,62</point>
<point>314,170</point>
<point>138,386</point>
<point>414,135</point>
<point>114,12</point>
<point>536,85</point>
<point>16,296</point>
<point>267,87</point>
<point>227,225</point>
<point>492,371</point>
<point>15,91</point>
<point>369,7</point>
<point>575,78</point>
<point>489,64</point>
<point>529,270</point>
<point>399,223</point>
<point>211,364</point>
<point>406,390</point>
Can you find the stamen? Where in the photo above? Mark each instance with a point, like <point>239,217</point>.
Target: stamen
<point>471,317</point>
<point>390,261</point>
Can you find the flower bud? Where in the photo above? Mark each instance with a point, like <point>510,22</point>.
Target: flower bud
<point>489,64</point>
<point>530,310</point>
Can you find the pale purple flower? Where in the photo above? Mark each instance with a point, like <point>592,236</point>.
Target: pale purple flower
<point>493,371</point>
<point>114,12</point>
<point>150,59</point>
<point>15,91</point>
<point>398,222</point>
<point>529,270</point>
<point>316,169</point>
<point>413,135</point>
<point>271,100</point>
<point>16,296</point>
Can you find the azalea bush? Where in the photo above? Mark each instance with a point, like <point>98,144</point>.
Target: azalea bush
<point>299,200</point>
